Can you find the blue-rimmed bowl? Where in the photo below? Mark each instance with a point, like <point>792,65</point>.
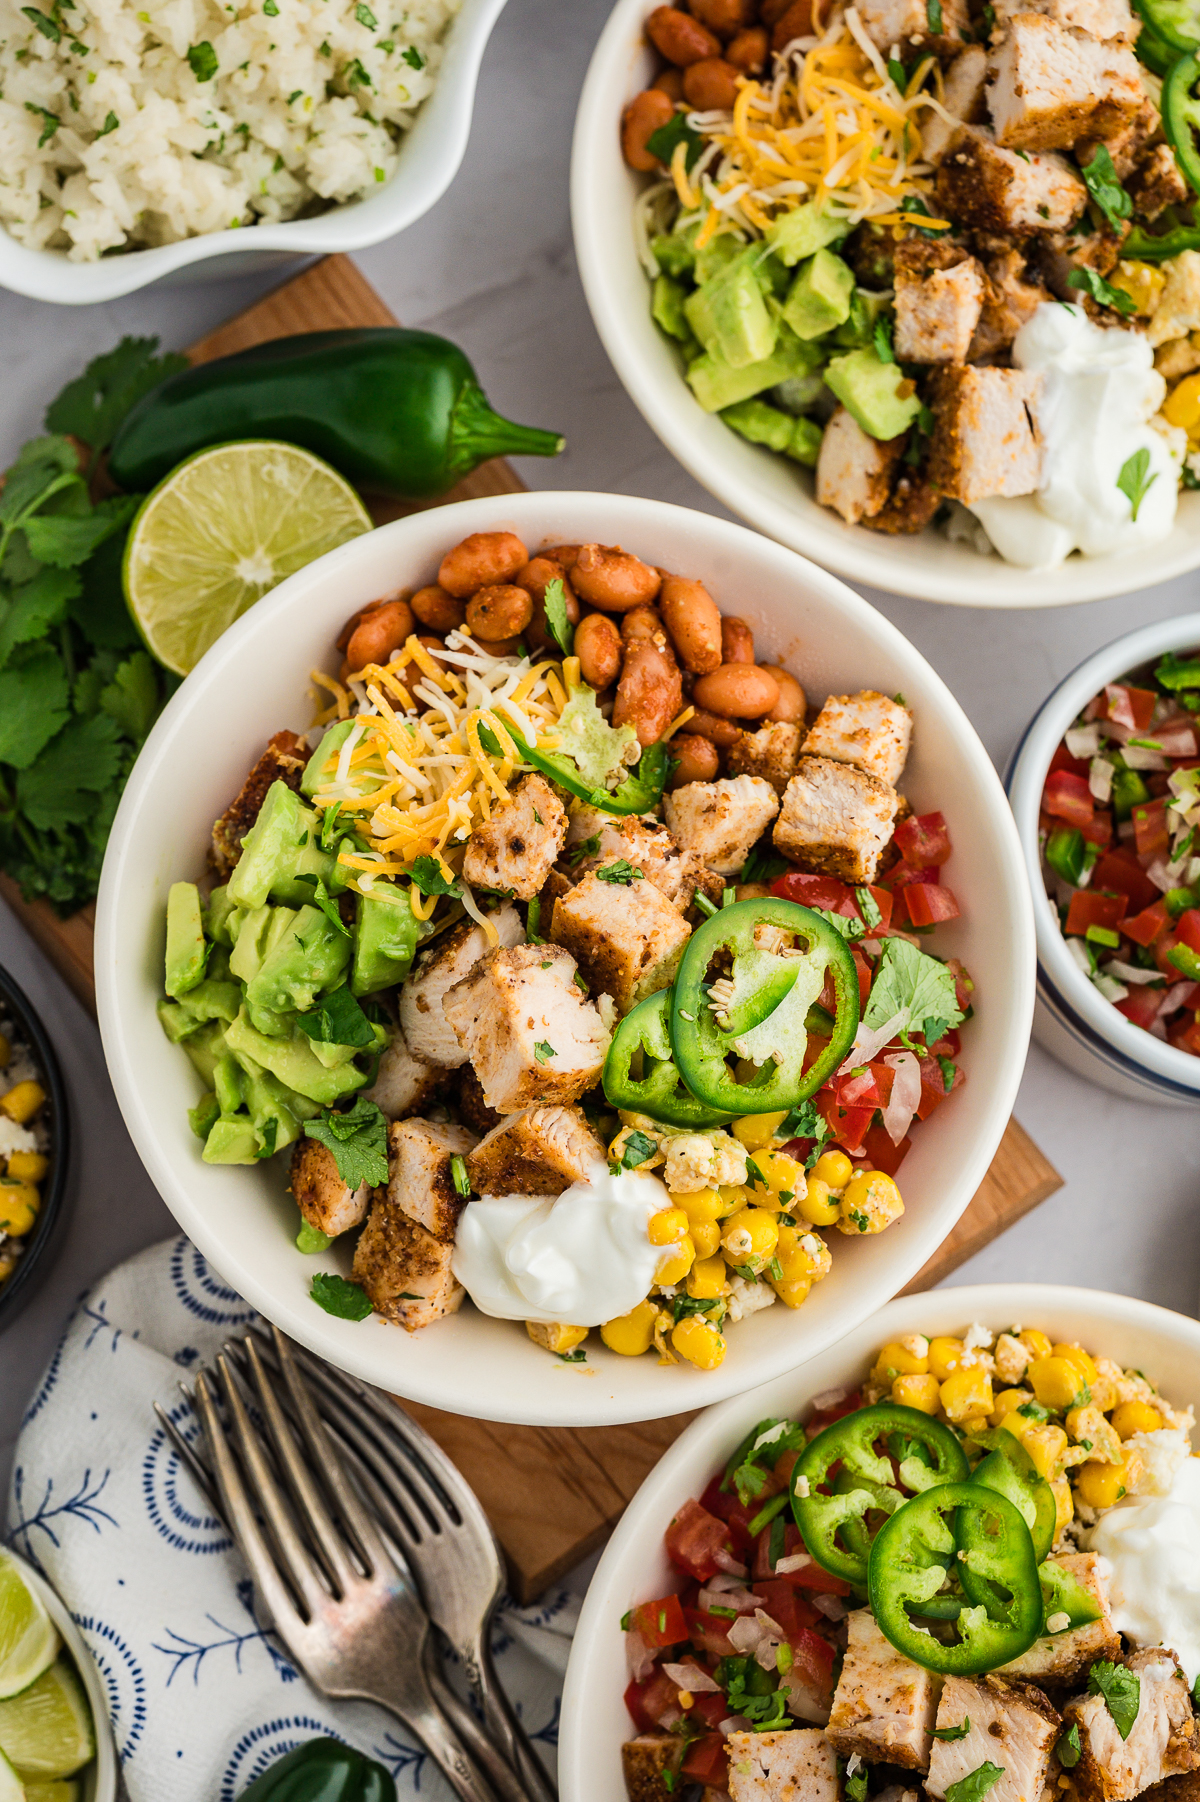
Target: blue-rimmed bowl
<point>1072,1020</point>
<point>46,1235</point>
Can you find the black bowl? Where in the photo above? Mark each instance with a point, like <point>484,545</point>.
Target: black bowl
<point>36,1258</point>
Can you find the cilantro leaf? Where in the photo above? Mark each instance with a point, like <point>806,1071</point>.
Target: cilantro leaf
<point>59,789</point>
<point>50,121</point>
<point>427,871</point>
<point>1122,1692</point>
<point>1104,185</point>
<point>413,57</point>
<point>882,340</point>
<point>933,16</point>
<point>34,608</point>
<point>558,625</point>
<point>348,1301</point>
<point>951,1733</point>
<point>324,900</point>
<point>1133,481</point>
<point>337,1020</point>
<point>976,1784</point>
<point>856,1786</point>
<point>132,698</point>
<point>621,872</point>
<point>33,705</point>
<point>358,1140</point>
<point>662,143</point>
<point>587,847</point>
<point>1068,1749</point>
<point>460,1176</point>
<point>202,60</point>
<point>42,467</point>
<point>637,1148</point>
<point>93,405</point>
<point>543,1051</point>
<point>64,541</point>
<point>906,978</point>
<point>1102,292</point>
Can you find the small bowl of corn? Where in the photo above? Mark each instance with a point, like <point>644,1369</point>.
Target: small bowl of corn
<point>34,1139</point>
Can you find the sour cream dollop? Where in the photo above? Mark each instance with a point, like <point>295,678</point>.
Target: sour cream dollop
<point>1153,1545</point>
<point>582,1258</point>
<point>1100,390</point>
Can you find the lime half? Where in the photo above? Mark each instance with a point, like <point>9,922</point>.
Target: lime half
<point>47,1731</point>
<point>37,1791</point>
<point>28,1640</point>
<point>219,531</point>
<point>11,1787</point>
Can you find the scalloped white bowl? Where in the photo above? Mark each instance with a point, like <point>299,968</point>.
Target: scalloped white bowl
<point>253,682</point>
<point>430,155</point>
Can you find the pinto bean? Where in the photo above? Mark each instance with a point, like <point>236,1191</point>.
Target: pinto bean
<point>535,578</point>
<point>748,51</point>
<point>356,619</point>
<point>670,82</point>
<point>379,632</point>
<point>737,691</point>
<point>679,37</point>
<point>725,17</point>
<point>500,611</point>
<point>771,10</point>
<point>481,560</point>
<point>437,609</point>
<point>723,733</point>
<point>791,706</point>
<point>649,693</point>
<point>796,22</point>
<point>694,622</point>
<point>737,640</point>
<point>598,648</point>
<point>645,625</point>
<point>566,554</point>
<point>646,113</point>
<point>698,759</point>
<point>613,579</point>
<point>711,85</point>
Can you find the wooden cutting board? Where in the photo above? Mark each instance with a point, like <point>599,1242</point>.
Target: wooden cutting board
<point>553,1494</point>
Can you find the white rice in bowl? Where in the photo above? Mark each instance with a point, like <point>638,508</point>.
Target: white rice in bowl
<point>131,123</point>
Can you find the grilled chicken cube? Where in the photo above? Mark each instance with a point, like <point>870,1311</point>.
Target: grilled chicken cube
<point>1162,1742</point>
<point>420,1183</point>
<point>884,1704</point>
<point>772,753</point>
<point>992,189</point>
<point>451,957</point>
<point>940,291</point>
<point>1011,298</point>
<point>541,1151</point>
<point>906,23</point>
<point>1128,146</point>
<point>1012,1725</point>
<point>836,819</point>
<point>963,99</point>
<point>869,730</point>
<point>405,1271</point>
<point>523,1023</point>
<point>1103,18</point>
<point>1158,183</point>
<point>985,437</point>
<point>1062,1657</point>
<point>797,1764</point>
<point>515,850</point>
<point>625,936</point>
<point>1052,84</point>
<point>1183,1788</point>
<point>404,1084</point>
<point>595,839</point>
<point>326,1202</point>
<point>854,470</point>
<point>649,1763</point>
<point>722,821</point>
<point>282,761</point>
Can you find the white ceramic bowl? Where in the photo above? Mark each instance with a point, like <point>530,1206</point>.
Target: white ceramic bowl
<point>253,682</point>
<point>99,1780</point>
<point>429,158</point>
<point>1072,1019</point>
<point>635,1568</point>
<point>767,490</point>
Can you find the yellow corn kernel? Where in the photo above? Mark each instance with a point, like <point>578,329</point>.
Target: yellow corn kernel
<point>706,1278</point>
<point>817,1205</point>
<point>945,1355</point>
<point>1141,281</point>
<point>22,1102</point>
<point>757,1130</point>
<point>1182,405</point>
<point>803,1257</point>
<point>1007,1402</point>
<point>5,1052</point>
<point>633,1333</point>
<point>698,1341</point>
<point>973,1425</point>
<point>1105,1393</point>
<point>27,1166</point>
<point>1055,1381</point>
<point>1064,1503</point>
<point>784,1177</point>
<point>703,1205</point>
<point>1100,1485</point>
<point>792,1294</point>
<point>1035,1343</point>
<point>668,1226</point>
<point>677,1261</point>
<point>1087,1427</point>
<point>870,1203</point>
<point>834,1168</point>
<point>967,1391</point>
<point>1075,1354</point>
<point>706,1237</point>
<point>1136,1417</point>
<point>733,1196</point>
<point>19,1204</point>
<point>914,1390</point>
<point>1044,1442</point>
<point>905,1357</point>
<point>556,1336</point>
<point>750,1233</point>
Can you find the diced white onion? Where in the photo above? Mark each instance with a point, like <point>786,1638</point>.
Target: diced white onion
<point>1100,779</point>
<point>905,1096</point>
<point>1083,741</point>
<point>1109,987</point>
<point>690,1677</point>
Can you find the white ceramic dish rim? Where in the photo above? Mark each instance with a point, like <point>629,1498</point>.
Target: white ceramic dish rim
<point>753,482</point>
<point>100,1784</point>
<point>1027,775</point>
<point>429,160</point>
<point>377,1356</point>
<point>589,1769</point>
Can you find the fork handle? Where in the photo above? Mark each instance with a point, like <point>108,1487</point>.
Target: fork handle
<point>507,1732</point>
<point>505,1779</point>
<point>447,1751</point>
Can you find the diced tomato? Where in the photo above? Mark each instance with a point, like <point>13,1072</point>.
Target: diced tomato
<point>1063,760</point>
<point>865,974</point>
<point>1132,707</point>
<point>923,839</point>
<point>1188,1039</point>
<point>949,1045</point>
<point>693,1537</point>
<point>1099,830</point>
<point>709,1632</point>
<point>1187,928</point>
<point>1068,798</point>
<point>706,1762</point>
<point>933,1085</point>
<point>882,1154</point>
<point>1140,1005</point>
<point>964,988</point>
<point>873,1088</point>
<point>712,1707</point>
<point>1121,872</point>
<point>788,1606</point>
<point>725,1505</point>
<point>846,1125</point>
<point>660,1623</point>
<point>1150,831</point>
<point>649,1700</point>
<point>718,1501</point>
<point>1149,925</point>
<point>815,891</point>
<point>1162,956</point>
<point>929,903</point>
<point>903,873</point>
<point>1090,909</point>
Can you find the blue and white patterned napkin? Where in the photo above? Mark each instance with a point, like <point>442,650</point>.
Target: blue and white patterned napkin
<point>202,1697</point>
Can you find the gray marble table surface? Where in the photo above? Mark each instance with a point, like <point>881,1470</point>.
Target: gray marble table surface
<point>493,267</point>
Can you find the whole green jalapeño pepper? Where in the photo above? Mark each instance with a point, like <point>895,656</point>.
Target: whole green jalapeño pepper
<point>660,1091</point>
<point>396,412</point>
<point>756,1012</point>
<point>323,1770</point>
<point>834,1527</point>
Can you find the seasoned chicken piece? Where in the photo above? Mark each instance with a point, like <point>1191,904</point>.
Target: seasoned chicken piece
<point>1103,18</point>
<point>1158,183</point>
<point>983,185</point>
<point>906,23</point>
<point>540,1151</point>
<point>405,1271</point>
<point>1061,1658</point>
<point>515,850</point>
<point>404,1083</point>
<point>1011,1725</point>
<point>1053,84</point>
<point>869,730</point>
<point>282,761</point>
<point>1184,1788</point>
<point>1178,311</point>
<point>985,436</point>
<point>836,820</point>
<point>1010,299</point>
<point>1161,1743</point>
<point>523,1023</point>
<point>625,936</point>
<point>647,1762</point>
<point>473,1108</point>
<point>595,839</point>
<point>962,98</point>
<point>771,753</point>
<point>854,470</point>
<point>419,1180</point>
<point>327,1203</point>
<point>797,1764</point>
<point>884,1704</point>
<point>1061,253</point>
<point>435,971</point>
<point>722,821</point>
<point>911,506</point>
<point>940,291</point>
<point>1127,146</point>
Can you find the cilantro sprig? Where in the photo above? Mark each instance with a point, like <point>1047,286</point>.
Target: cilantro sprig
<point>358,1140</point>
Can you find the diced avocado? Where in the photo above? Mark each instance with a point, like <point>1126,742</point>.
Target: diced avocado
<point>308,957</point>
<point>858,328</point>
<point>717,254</point>
<point>209,1000</point>
<point>217,916</point>
<point>717,386</point>
<point>274,1122</point>
<point>386,934</point>
<point>187,952</point>
<point>282,845</point>
<point>774,276</point>
<point>803,232</point>
<point>218,964</point>
<point>258,933</point>
<point>730,316</point>
<point>760,423</point>
<point>321,765</point>
<point>231,1140</point>
<point>205,1048</point>
<point>311,1239</point>
<point>870,391</point>
<point>820,296</point>
<point>799,392</point>
<point>293,1062</point>
<point>806,442</point>
<point>333,1055</point>
<point>227,1083</point>
<point>675,252</point>
<point>203,1116</point>
<point>666,307</point>
<point>175,1021</point>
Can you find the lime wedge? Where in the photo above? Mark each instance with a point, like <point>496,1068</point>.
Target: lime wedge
<point>66,1791</point>
<point>219,531</point>
<point>46,1731</point>
<point>28,1640</point>
<point>11,1787</point>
